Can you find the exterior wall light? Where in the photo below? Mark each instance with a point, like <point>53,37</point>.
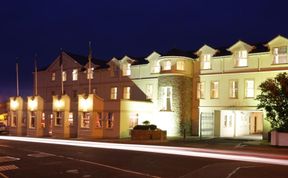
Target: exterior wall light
<point>32,104</point>
<point>14,104</point>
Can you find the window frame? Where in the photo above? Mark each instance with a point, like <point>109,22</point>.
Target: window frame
<point>246,89</point>
<point>214,92</point>
<point>113,93</point>
<point>234,89</point>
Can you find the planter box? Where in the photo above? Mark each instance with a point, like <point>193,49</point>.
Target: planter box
<point>279,138</point>
<point>148,135</point>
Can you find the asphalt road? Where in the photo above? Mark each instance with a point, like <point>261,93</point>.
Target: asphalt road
<point>25,159</point>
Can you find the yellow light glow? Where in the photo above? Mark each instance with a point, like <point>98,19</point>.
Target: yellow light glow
<point>32,104</point>
<point>59,104</point>
<point>85,104</point>
<point>14,104</point>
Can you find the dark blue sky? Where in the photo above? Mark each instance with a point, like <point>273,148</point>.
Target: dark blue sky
<point>129,27</point>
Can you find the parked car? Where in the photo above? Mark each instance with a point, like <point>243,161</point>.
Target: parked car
<point>3,128</point>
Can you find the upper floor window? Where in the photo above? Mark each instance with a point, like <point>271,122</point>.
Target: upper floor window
<point>215,89</point>
<point>167,99</point>
<point>206,61</point>
<point>126,93</point>
<point>233,89</point>
<point>75,74</point>
<point>180,65</point>
<point>149,91</point>
<point>126,69</point>
<point>114,71</point>
<point>249,88</point>
<point>155,67</point>
<point>241,58</point>
<point>167,65</point>
<point>200,90</point>
<point>64,76</point>
<point>90,72</point>
<point>113,95</point>
<point>53,77</point>
<point>280,55</point>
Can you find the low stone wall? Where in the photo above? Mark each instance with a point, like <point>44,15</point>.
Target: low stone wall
<point>148,135</point>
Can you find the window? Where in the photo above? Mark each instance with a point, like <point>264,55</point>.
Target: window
<point>180,65</point>
<point>241,58</point>
<point>149,91</point>
<point>32,119</point>
<point>43,120</point>
<point>110,120</point>
<point>167,99</point>
<point>206,61</point>
<point>167,65</point>
<point>126,69</point>
<point>233,89</point>
<point>85,120</point>
<point>249,88</point>
<point>58,118</point>
<point>155,67</point>
<point>114,71</point>
<point>113,95</point>
<point>133,120</point>
<point>90,72</point>
<point>126,93</point>
<point>75,74</point>
<point>70,119</point>
<point>214,89</point>
<point>280,55</point>
<point>99,120</point>
<point>14,119</point>
<point>53,77</point>
<point>200,90</point>
<point>64,76</point>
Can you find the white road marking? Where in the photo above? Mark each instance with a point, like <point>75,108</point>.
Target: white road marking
<point>237,169</point>
<point>4,159</point>
<point>183,151</point>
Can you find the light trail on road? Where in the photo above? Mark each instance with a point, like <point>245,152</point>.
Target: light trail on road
<point>182,151</point>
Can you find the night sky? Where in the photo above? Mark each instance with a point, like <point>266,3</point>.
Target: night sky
<point>132,27</point>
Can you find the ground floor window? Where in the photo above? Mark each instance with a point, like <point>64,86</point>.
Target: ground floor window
<point>59,118</point>
<point>99,120</point>
<point>110,120</point>
<point>70,119</point>
<point>85,120</point>
<point>32,120</point>
<point>14,119</point>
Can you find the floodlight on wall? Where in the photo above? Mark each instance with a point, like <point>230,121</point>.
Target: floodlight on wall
<point>85,104</point>
<point>32,104</point>
<point>14,104</point>
<point>59,104</point>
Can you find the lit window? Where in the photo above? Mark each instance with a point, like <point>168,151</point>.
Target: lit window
<point>249,88</point>
<point>206,61</point>
<point>126,69</point>
<point>85,120</point>
<point>90,72</point>
<point>155,67</point>
<point>200,90</point>
<point>126,93</point>
<point>215,89</point>
<point>241,58</point>
<point>167,99</point>
<point>167,65</point>
<point>233,89</point>
<point>75,75</point>
<point>280,55</point>
<point>64,76</point>
<point>71,119</point>
<point>32,119</point>
<point>149,90</point>
<point>43,120</point>
<point>180,65</point>
<point>99,120</point>
<point>53,77</point>
<point>58,118</point>
<point>113,95</point>
<point>110,120</point>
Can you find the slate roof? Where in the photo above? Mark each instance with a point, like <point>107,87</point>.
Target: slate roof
<point>179,52</point>
<point>83,60</point>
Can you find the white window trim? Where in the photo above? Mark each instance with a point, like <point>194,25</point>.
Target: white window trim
<point>214,89</point>
<point>126,93</point>
<point>180,65</point>
<point>167,65</point>
<point>233,89</point>
<point>113,93</point>
<point>241,58</point>
<point>247,90</point>
<point>74,75</point>
<point>206,61</point>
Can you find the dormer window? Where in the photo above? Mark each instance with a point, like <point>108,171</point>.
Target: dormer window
<point>167,65</point>
<point>206,61</point>
<point>241,58</point>
<point>126,69</point>
<point>155,68</point>
<point>280,55</point>
<point>180,65</point>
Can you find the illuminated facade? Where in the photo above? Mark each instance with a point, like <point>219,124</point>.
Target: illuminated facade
<point>125,93</point>
<point>209,92</point>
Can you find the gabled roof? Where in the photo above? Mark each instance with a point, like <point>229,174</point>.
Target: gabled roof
<point>206,48</point>
<point>179,52</point>
<point>277,39</point>
<point>83,60</point>
<point>240,44</point>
